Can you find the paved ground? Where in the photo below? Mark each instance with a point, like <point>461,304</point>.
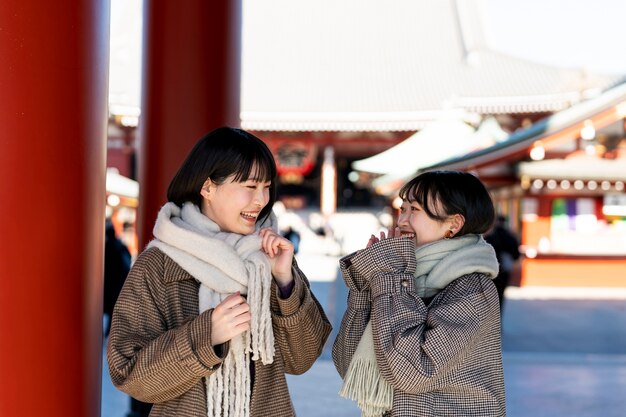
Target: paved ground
<point>564,354</point>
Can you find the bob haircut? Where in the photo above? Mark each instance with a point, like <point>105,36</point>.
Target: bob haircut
<point>223,153</point>
<point>445,193</point>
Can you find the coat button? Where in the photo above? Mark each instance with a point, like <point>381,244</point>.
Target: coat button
<point>405,283</point>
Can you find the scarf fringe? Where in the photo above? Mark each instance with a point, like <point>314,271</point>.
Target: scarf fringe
<point>262,343</point>
<point>230,379</point>
<point>365,385</point>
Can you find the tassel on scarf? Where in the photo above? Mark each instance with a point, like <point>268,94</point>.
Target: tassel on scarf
<point>364,383</point>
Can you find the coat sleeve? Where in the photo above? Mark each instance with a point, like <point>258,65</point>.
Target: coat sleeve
<point>417,348</point>
<point>147,360</point>
<point>356,316</point>
<point>300,325</point>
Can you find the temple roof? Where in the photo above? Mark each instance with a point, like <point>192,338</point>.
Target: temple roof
<point>367,65</point>
<point>564,125</point>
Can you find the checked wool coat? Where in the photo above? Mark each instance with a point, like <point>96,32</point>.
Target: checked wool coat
<point>159,348</point>
<point>442,359</point>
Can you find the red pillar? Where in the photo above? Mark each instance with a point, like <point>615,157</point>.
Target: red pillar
<point>191,77</point>
<point>53,97</point>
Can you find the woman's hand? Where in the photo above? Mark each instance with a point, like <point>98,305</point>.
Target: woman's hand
<point>394,232</point>
<point>280,251</point>
<point>230,318</point>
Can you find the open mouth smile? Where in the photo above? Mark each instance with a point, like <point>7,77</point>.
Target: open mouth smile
<point>249,216</point>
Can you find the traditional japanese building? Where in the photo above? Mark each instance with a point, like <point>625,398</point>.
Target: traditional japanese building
<point>324,90</point>
<point>561,183</point>
<point>342,81</point>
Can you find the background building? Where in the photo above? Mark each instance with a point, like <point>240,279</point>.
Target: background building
<point>561,182</point>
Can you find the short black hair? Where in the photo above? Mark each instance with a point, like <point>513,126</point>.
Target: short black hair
<point>220,154</point>
<point>445,193</point>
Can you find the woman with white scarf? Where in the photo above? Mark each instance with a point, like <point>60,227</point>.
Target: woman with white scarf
<point>215,311</point>
<point>421,334</point>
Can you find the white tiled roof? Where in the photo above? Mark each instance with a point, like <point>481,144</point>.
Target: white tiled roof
<point>379,65</point>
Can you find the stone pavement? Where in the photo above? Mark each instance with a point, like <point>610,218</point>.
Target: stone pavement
<point>564,353</point>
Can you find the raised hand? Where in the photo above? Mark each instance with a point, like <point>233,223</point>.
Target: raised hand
<point>280,252</point>
<point>392,232</point>
<point>230,318</point>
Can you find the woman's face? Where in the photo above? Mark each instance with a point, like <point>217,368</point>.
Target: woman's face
<point>235,206</point>
<point>414,223</point>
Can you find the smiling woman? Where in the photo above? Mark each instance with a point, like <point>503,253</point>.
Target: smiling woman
<point>201,323</point>
<point>421,334</point>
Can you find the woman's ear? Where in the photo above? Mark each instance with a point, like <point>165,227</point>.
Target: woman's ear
<point>205,191</point>
<point>457,223</point>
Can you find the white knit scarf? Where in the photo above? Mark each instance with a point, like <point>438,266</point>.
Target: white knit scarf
<point>438,264</point>
<point>223,263</point>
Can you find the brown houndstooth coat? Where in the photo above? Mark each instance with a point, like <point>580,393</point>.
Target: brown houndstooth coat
<point>159,348</point>
<point>443,359</point>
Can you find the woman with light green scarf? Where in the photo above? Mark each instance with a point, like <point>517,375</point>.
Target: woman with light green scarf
<point>421,334</point>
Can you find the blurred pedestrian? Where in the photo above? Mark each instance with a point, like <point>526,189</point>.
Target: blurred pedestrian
<point>506,245</point>
<point>215,310</point>
<point>421,335</point>
<point>294,237</point>
<point>117,260</point>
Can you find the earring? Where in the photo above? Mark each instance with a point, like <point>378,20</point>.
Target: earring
<point>449,234</point>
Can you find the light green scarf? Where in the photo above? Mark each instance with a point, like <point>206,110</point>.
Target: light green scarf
<point>438,264</point>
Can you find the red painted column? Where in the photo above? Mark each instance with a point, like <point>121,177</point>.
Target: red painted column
<point>191,77</point>
<point>53,98</point>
